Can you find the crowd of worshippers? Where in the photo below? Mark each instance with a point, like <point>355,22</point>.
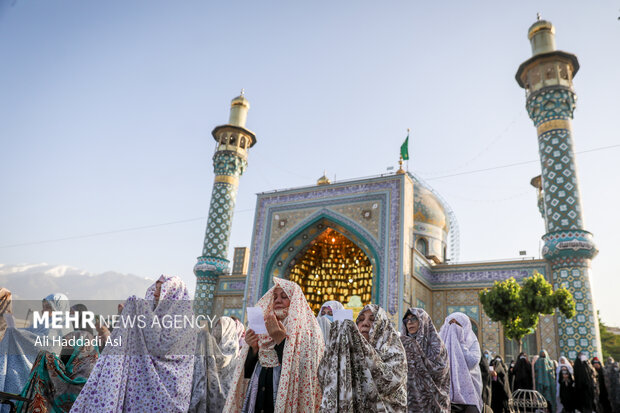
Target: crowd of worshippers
<point>304,363</point>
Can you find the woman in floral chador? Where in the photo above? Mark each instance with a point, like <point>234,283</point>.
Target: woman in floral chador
<point>281,365</point>
<point>428,378</point>
<point>151,370</point>
<point>365,366</point>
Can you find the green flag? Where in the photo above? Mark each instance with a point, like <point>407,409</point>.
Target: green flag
<point>404,149</point>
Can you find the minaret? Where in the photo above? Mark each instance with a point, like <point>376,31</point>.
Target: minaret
<point>230,160</point>
<point>547,78</point>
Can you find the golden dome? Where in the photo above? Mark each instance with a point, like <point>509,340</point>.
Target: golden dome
<point>538,26</point>
<point>240,100</point>
<point>324,180</point>
<point>427,208</point>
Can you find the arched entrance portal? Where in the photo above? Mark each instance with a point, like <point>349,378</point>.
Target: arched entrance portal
<point>332,267</point>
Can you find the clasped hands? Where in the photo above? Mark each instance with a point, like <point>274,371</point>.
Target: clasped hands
<point>275,329</point>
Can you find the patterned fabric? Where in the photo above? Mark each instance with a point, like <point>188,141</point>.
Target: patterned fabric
<point>54,386</point>
<point>19,349</point>
<point>464,355</point>
<point>214,367</point>
<point>364,376</point>
<point>545,377</point>
<point>152,369</point>
<point>298,389</point>
<point>428,377</point>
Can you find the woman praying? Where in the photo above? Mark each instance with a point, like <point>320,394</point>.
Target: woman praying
<point>365,366</point>
<point>151,369</point>
<point>326,317</point>
<point>428,377</point>
<point>214,366</point>
<point>281,365</point>
<point>464,355</point>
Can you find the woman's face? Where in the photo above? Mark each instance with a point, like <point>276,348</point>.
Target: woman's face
<point>364,323</point>
<point>564,374</point>
<point>327,310</point>
<point>157,291</point>
<point>412,323</point>
<point>280,299</point>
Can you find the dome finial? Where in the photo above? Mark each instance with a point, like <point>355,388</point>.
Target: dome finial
<point>538,16</point>
<point>324,180</point>
<point>239,107</point>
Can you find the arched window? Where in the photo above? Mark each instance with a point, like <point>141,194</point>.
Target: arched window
<point>422,246</point>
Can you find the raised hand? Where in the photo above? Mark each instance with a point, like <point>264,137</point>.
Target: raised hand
<point>275,328</point>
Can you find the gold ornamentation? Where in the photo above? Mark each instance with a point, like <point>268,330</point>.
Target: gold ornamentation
<point>553,124</point>
<point>227,179</point>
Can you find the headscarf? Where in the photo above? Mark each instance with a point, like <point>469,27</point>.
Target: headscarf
<point>428,377</point>
<point>364,376</point>
<point>545,377</point>
<point>334,305</point>
<point>19,348</point>
<point>214,367</point>
<point>152,369</point>
<point>6,307</point>
<point>464,354</point>
<point>298,389</point>
<point>523,373</point>
<point>326,322</point>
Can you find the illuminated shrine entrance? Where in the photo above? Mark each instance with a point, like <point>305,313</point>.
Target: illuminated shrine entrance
<point>332,267</point>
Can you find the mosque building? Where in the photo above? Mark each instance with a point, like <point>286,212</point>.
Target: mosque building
<point>386,239</point>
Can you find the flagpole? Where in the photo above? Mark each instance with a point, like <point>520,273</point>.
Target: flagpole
<point>408,130</point>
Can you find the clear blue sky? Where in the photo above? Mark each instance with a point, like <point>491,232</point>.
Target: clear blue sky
<point>107,108</point>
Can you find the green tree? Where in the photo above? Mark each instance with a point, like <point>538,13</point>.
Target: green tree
<point>518,307</point>
<point>609,341</point>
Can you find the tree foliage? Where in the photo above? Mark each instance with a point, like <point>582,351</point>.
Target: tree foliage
<point>518,307</point>
<point>609,341</point>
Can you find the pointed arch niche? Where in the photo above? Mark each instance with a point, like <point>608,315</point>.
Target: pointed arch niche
<point>330,260</point>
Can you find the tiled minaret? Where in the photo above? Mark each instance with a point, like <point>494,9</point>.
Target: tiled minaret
<point>547,78</point>
<point>229,162</point>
